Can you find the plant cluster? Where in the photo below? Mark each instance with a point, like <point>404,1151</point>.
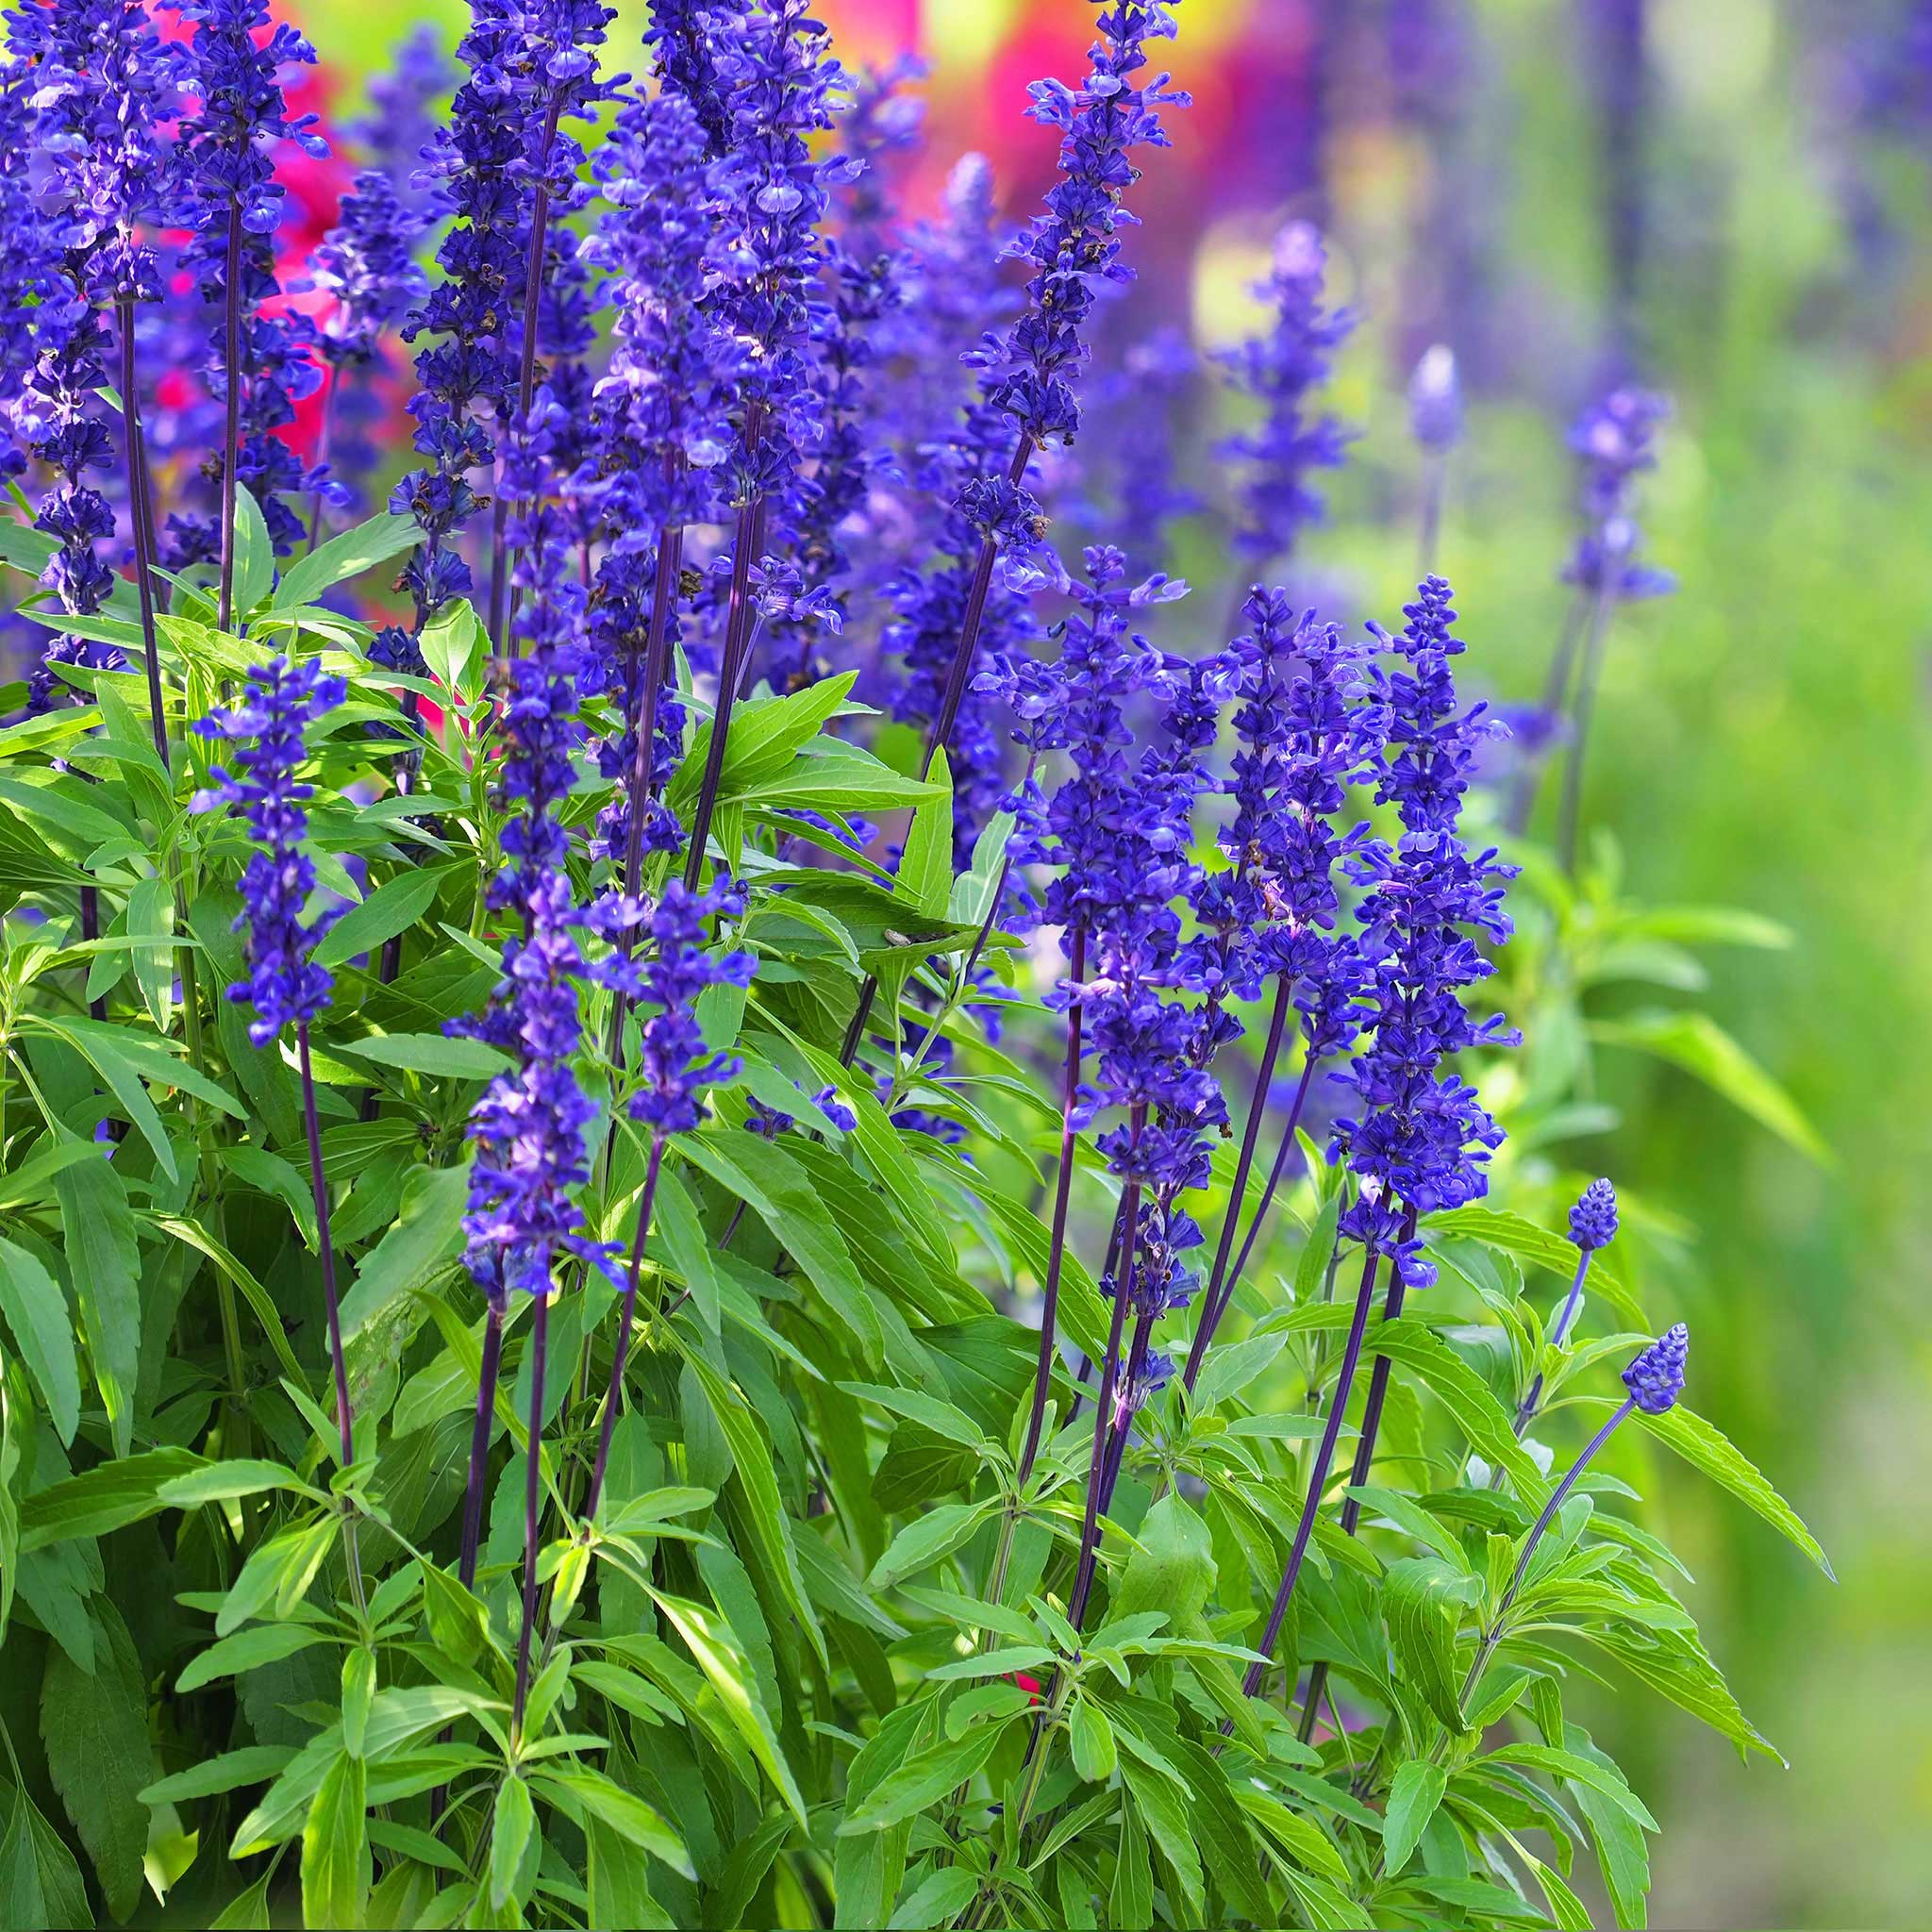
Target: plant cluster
<point>730,1192</point>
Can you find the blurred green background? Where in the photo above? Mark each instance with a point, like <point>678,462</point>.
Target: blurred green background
<point>1763,734</point>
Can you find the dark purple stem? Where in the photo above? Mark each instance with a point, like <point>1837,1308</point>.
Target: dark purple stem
<point>332,382</point>
<point>1050,1302</point>
<point>1258,1109</point>
<point>142,518</point>
<point>1364,1459</point>
<point>967,649</point>
<point>479,1444</point>
<point>231,434</point>
<point>90,929</point>
<point>540,1337</point>
<point>624,1329</point>
<point>1493,1635</point>
<point>748,542</point>
<point>1110,1381</point>
<point>1123,1423</point>
<point>1211,1315</point>
<point>1318,1477</point>
<point>345,1420</point>
<point>1527,1414</point>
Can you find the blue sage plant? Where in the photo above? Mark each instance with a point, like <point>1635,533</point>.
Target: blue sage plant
<point>861,1244</point>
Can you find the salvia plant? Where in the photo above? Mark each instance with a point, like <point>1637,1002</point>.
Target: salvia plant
<point>731,1193</point>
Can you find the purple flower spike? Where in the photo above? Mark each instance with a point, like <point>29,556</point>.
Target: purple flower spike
<point>1656,1378</point>
<point>1593,1220</point>
<point>1281,369</point>
<point>231,202</point>
<point>282,700</point>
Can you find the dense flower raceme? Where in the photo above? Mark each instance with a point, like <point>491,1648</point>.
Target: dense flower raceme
<point>1281,369</point>
<point>1593,1220</point>
<point>663,407</point>
<point>271,724</point>
<point>1423,1139</point>
<point>230,200</point>
<point>674,970</point>
<point>97,80</point>
<point>528,1127</point>
<point>1656,1378</point>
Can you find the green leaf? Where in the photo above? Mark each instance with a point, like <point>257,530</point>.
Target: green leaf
<point>427,1053</point>
<point>628,1815</point>
<point>1422,1599</point>
<point>1599,1778</point>
<point>359,1694</point>
<point>925,868</point>
<point>1622,1854</point>
<point>1095,1753</point>
<point>1413,1796</point>
<point>922,1779</point>
<point>1482,1419</point>
<point>103,1257</point>
<point>454,1614</point>
<point>1130,1900</point>
<point>758,1473</point>
<point>394,907</point>
<point>1695,1041</point>
<point>217,1482</point>
<point>941,1417</point>
<point>991,1663</point>
<point>425,1239</point>
<point>103,1499</point>
<point>453,644</point>
<point>1706,1447</point>
<point>1172,1570</point>
<point>113,1067</point>
<point>765,735</point>
<point>938,1899</point>
<point>270,1174</point>
<point>925,1540</point>
<point>36,1311</point>
<point>831,776</point>
<point>514,1820</point>
<point>99,1754</point>
<point>333,1846</point>
<point>255,566</point>
<point>40,1878</point>
<point>341,557</point>
<point>234,1656</point>
<point>1160,1806</point>
<point>776,1190</point>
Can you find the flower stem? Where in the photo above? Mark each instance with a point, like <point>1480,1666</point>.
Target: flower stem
<point>1216,1307</point>
<point>1493,1635</point>
<point>1525,1414</point>
<point>1220,1290</point>
<point>748,542</point>
<point>1569,817</point>
<point>1110,1381</point>
<point>231,434</point>
<point>1556,690</point>
<point>344,1417</point>
<point>332,382</point>
<point>540,1337</point>
<point>141,516</point>
<point>1049,1312</point>
<point>960,672</point>
<point>479,1444</point>
<point>1318,1474</point>
<point>624,1329</point>
<point>1364,1456</point>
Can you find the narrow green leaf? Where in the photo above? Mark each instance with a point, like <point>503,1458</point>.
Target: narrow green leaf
<point>382,537</point>
<point>254,1764</point>
<point>218,1482</point>
<point>921,1779</point>
<point>513,1820</point>
<point>1413,1796</point>
<point>99,1754</point>
<point>1706,1447</point>
<point>246,1650</point>
<point>104,1256</point>
<point>359,1694</point>
<point>625,1813</point>
<point>394,907</point>
<point>36,1311</point>
<point>1695,1043</point>
<point>434,1053</point>
<point>332,1846</point>
<point>103,1499</point>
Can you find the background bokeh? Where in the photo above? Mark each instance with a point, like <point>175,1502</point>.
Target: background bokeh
<point>1729,198</point>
